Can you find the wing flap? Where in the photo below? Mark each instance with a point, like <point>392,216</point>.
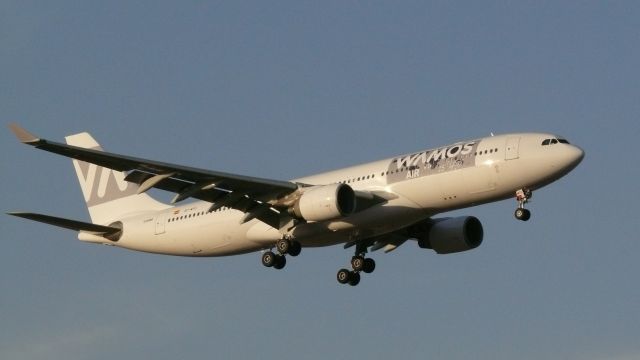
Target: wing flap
<point>219,198</point>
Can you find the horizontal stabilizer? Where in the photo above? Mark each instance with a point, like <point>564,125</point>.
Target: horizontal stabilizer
<point>23,135</point>
<point>68,224</point>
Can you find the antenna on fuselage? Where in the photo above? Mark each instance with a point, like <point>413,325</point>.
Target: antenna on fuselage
<point>492,134</point>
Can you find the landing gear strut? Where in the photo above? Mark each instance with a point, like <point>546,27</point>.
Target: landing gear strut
<point>359,264</point>
<point>284,246</point>
<point>523,196</point>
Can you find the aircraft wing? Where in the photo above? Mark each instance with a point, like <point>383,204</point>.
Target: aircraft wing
<point>388,242</point>
<point>258,198</point>
<point>256,187</point>
<point>252,195</point>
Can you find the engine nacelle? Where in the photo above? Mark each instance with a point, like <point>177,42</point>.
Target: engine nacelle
<point>325,202</point>
<point>452,235</point>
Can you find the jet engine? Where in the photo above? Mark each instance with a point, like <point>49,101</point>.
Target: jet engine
<point>451,235</point>
<point>324,202</point>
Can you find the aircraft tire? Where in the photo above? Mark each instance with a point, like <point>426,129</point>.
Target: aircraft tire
<point>354,279</point>
<point>283,246</point>
<point>357,263</point>
<point>343,276</point>
<point>281,261</point>
<point>369,265</point>
<point>269,259</point>
<point>295,248</point>
<point>522,214</point>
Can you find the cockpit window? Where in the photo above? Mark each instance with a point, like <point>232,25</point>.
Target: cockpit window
<point>554,141</point>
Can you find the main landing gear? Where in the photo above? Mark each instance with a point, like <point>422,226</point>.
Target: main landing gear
<point>523,196</point>
<point>359,264</point>
<point>284,246</point>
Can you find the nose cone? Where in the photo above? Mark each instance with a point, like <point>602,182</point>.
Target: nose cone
<point>571,156</point>
<point>576,155</point>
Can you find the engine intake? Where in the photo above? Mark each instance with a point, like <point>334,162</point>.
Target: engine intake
<point>452,235</point>
<point>325,202</point>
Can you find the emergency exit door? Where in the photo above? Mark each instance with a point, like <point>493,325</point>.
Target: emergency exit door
<point>160,222</point>
<point>512,152</point>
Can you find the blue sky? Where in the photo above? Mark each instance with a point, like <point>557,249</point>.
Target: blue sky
<point>287,89</point>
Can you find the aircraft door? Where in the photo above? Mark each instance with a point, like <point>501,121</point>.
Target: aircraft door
<point>160,222</point>
<point>512,148</point>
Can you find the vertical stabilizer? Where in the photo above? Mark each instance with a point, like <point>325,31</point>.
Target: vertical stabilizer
<point>108,196</point>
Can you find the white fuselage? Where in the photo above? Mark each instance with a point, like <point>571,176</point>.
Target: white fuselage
<point>416,186</point>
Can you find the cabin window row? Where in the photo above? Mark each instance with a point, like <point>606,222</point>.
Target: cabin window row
<point>192,215</point>
<point>484,152</point>
<point>385,173</point>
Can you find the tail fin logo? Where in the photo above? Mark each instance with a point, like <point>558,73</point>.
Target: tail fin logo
<point>100,185</point>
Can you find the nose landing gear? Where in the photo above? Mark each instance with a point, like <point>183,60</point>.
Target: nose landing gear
<point>523,196</point>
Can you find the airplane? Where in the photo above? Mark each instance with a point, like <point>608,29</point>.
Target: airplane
<point>368,207</point>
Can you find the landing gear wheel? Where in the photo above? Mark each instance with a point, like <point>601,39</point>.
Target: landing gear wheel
<point>268,259</point>
<point>369,265</point>
<point>295,248</point>
<point>283,246</point>
<point>281,261</point>
<point>343,276</point>
<point>523,196</point>
<point>522,214</point>
<point>357,263</point>
<point>354,279</point>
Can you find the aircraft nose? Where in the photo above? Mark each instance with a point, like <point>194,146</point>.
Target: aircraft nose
<point>576,156</point>
<point>573,155</point>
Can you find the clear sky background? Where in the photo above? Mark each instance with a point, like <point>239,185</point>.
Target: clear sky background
<point>287,89</point>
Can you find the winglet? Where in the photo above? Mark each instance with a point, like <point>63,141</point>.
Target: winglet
<point>23,135</point>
